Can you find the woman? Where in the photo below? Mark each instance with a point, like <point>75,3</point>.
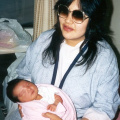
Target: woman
<point>76,58</point>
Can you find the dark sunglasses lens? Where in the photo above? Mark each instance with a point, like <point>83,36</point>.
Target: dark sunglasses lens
<point>77,16</point>
<point>63,11</point>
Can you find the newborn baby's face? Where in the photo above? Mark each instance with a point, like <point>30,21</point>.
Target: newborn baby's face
<point>25,91</point>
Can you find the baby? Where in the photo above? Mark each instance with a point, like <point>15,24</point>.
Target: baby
<point>26,93</point>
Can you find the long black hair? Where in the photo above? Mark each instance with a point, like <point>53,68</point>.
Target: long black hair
<point>96,11</point>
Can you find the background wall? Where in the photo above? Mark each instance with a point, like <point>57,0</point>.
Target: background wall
<point>22,10</point>
<point>115,27</point>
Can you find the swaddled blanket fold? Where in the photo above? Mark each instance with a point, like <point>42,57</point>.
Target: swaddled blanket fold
<point>33,110</point>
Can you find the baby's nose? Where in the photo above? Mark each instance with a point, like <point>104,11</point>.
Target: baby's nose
<point>28,88</point>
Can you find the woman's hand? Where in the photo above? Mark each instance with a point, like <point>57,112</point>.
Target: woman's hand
<point>20,111</point>
<point>51,116</point>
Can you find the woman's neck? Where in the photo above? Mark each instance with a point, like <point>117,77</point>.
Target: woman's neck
<point>72,42</point>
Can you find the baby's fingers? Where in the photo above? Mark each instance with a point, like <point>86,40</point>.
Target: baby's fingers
<point>48,107</point>
<point>51,108</point>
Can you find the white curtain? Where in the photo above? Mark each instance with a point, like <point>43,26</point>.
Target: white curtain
<point>44,17</point>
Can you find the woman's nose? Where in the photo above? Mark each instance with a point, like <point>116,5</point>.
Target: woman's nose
<point>69,18</point>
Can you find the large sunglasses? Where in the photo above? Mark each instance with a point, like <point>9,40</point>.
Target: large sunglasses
<point>77,15</point>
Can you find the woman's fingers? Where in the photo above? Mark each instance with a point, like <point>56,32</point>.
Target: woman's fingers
<point>20,111</point>
<point>51,116</point>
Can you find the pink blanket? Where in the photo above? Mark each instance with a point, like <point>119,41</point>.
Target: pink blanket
<point>33,110</point>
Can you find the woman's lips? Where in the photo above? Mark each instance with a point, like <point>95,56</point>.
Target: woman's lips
<point>67,28</point>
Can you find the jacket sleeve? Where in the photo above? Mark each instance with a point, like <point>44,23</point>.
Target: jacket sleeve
<point>107,98</point>
<point>25,67</point>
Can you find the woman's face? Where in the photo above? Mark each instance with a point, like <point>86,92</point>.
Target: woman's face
<point>73,32</point>
<point>25,91</point>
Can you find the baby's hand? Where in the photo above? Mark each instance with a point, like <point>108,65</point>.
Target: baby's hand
<point>51,107</point>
